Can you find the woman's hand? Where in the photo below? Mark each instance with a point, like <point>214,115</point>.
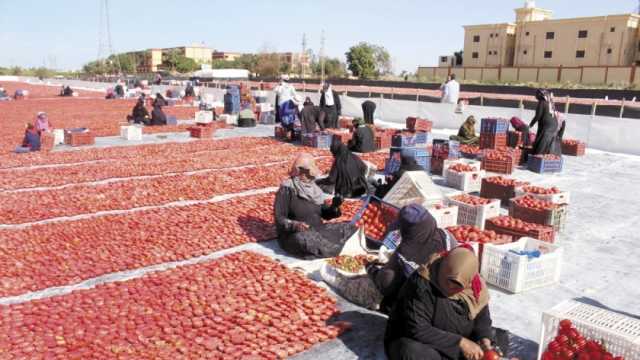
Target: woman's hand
<point>299,226</point>
<point>486,344</point>
<point>471,350</point>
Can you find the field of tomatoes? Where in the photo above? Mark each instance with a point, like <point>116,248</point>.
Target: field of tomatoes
<point>240,306</point>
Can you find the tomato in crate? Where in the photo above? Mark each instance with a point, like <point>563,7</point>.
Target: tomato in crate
<point>375,216</point>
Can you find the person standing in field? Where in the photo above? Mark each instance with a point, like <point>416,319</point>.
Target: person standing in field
<point>450,90</point>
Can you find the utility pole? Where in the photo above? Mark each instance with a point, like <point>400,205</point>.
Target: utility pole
<point>105,45</point>
<point>303,56</point>
<point>322,57</point>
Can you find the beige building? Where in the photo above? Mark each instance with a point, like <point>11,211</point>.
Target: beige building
<point>199,53</point>
<point>147,60</point>
<point>226,56</point>
<point>538,40</point>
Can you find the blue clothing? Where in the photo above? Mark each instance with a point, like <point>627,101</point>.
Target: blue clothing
<point>288,112</point>
<point>32,140</point>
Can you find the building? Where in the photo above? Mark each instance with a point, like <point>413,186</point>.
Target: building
<point>296,61</point>
<point>199,53</point>
<point>536,39</point>
<point>147,60</point>
<point>226,56</point>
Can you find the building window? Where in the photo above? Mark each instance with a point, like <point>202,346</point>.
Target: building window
<point>551,35</point>
<point>548,54</point>
<point>527,33</point>
<point>443,59</point>
<point>476,38</point>
<point>613,29</point>
<point>580,54</point>
<point>525,52</point>
<point>609,50</point>
<point>491,35</point>
<point>496,34</point>
<point>474,55</point>
<point>582,34</point>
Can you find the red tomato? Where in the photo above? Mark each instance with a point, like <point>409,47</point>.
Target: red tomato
<point>491,355</point>
<point>566,324</point>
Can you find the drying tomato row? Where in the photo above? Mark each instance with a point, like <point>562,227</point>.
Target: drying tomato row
<point>55,254</point>
<point>243,305</point>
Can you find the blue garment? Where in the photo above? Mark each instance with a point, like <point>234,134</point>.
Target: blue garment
<point>32,140</point>
<point>288,112</point>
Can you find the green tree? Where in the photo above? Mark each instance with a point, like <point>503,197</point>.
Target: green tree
<point>43,72</point>
<point>16,71</point>
<point>383,60</point>
<point>361,60</point>
<point>268,64</point>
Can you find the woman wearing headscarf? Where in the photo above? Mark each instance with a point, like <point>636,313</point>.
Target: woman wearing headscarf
<point>363,137</point>
<point>442,312</point>
<point>518,125</point>
<point>157,116</point>
<point>467,133</point>
<point>299,211</point>
<point>421,239</point>
<point>330,105</point>
<point>547,123</point>
<point>309,117</point>
<point>31,141</point>
<point>347,176</point>
<point>160,100</point>
<point>139,114</point>
<point>368,110</point>
<point>42,123</point>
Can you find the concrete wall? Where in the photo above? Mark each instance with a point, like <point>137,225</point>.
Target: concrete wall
<point>593,75</point>
<point>528,75</point>
<point>619,75</point>
<point>509,74</point>
<point>571,75</point>
<point>490,74</point>
<point>473,74</point>
<point>548,75</point>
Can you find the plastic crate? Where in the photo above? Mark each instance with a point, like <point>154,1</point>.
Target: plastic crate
<point>131,133</point>
<point>563,197</point>
<point>578,149</point>
<point>490,190</point>
<point>514,139</point>
<point>201,132</point>
<point>446,149</point>
<point>543,233</point>
<point>317,140</point>
<point>475,215</point>
<point>410,139</point>
<point>556,218</point>
<point>267,117</point>
<point>493,141</point>
<point>391,166</point>
<point>465,181</point>
<point>386,207</point>
<point>382,141</point>
<point>78,137</point>
<point>619,333</point>
<point>516,273</point>
<point>494,126</point>
<point>418,124</point>
<point>538,164</point>
<point>421,156</point>
<point>446,216</point>
<point>498,166</point>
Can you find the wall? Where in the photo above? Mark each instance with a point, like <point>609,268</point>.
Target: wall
<point>616,75</point>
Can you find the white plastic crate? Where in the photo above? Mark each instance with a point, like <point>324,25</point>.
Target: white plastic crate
<point>131,133</point>
<point>515,273</point>
<point>445,217</point>
<point>475,215</point>
<point>560,198</point>
<point>58,136</point>
<point>204,117</point>
<point>465,181</point>
<point>474,163</point>
<point>414,187</point>
<point>619,333</point>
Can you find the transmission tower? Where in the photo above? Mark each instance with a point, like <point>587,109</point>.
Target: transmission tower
<point>322,57</point>
<point>105,44</point>
<point>303,56</point>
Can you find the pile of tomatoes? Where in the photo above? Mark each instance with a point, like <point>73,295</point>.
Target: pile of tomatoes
<point>352,264</point>
<point>538,190</point>
<point>569,344</point>
<point>517,225</point>
<point>472,200</point>
<point>243,305</point>
<point>376,220</point>
<point>470,149</point>
<point>530,202</point>
<point>572,142</point>
<point>505,182</point>
<point>469,233</point>
<point>462,168</point>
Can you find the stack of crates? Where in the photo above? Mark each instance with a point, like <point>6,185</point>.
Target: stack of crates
<point>493,133</point>
<point>410,144</point>
<point>443,150</point>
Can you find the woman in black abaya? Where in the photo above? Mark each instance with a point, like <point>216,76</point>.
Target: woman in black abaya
<point>547,124</point>
<point>348,173</point>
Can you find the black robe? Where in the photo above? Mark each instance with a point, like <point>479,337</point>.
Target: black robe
<point>363,140</point>
<point>158,117</point>
<point>321,240</point>
<point>368,110</point>
<point>332,113</point>
<point>547,129</point>
<point>140,114</point>
<point>424,321</point>
<point>347,174</point>
<point>309,117</point>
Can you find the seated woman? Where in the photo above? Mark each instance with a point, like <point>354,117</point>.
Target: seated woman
<point>467,133</point>
<point>160,100</point>
<point>189,91</point>
<point>547,123</point>
<point>407,163</point>
<point>442,312</point>
<point>158,117</point>
<point>31,141</point>
<point>309,117</point>
<point>421,239</point>
<point>139,114</point>
<point>347,177</point>
<point>299,210</point>
<point>42,123</point>
<point>363,137</point>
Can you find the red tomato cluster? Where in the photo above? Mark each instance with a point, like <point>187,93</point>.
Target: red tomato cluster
<point>462,168</point>
<point>571,345</point>
<point>243,305</point>
<point>540,190</point>
<point>470,149</point>
<point>466,233</point>
<point>533,203</point>
<point>59,253</point>
<point>376,220</point>
<point>472,200</point>
<point>571,142</point>
<point>498,156</point>
<point>516,224</point>
<point>502,181</point>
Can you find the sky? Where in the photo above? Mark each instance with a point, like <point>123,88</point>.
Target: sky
<point>65,33</point>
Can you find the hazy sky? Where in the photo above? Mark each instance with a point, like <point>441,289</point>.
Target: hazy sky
<point>64,33</point>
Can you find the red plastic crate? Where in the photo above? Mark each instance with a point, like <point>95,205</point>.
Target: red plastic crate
<point>491,190</point>
<point>492,141</point>
<point>541,232</point>
<point>556,217</point>
<point>418,124</point>
<point>79,138</point>
<point>382,140</point>
<point>201,132</point>
<point>571,149</point>
<point>498,166</point>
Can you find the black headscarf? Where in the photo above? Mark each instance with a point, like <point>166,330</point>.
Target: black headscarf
<point>348,171</point>
<point>421,237</point>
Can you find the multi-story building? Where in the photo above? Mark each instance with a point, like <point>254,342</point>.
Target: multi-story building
<point>147,60</point>
<point>538,40</point>
<point>226,56</point>
<point>199,53</point>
